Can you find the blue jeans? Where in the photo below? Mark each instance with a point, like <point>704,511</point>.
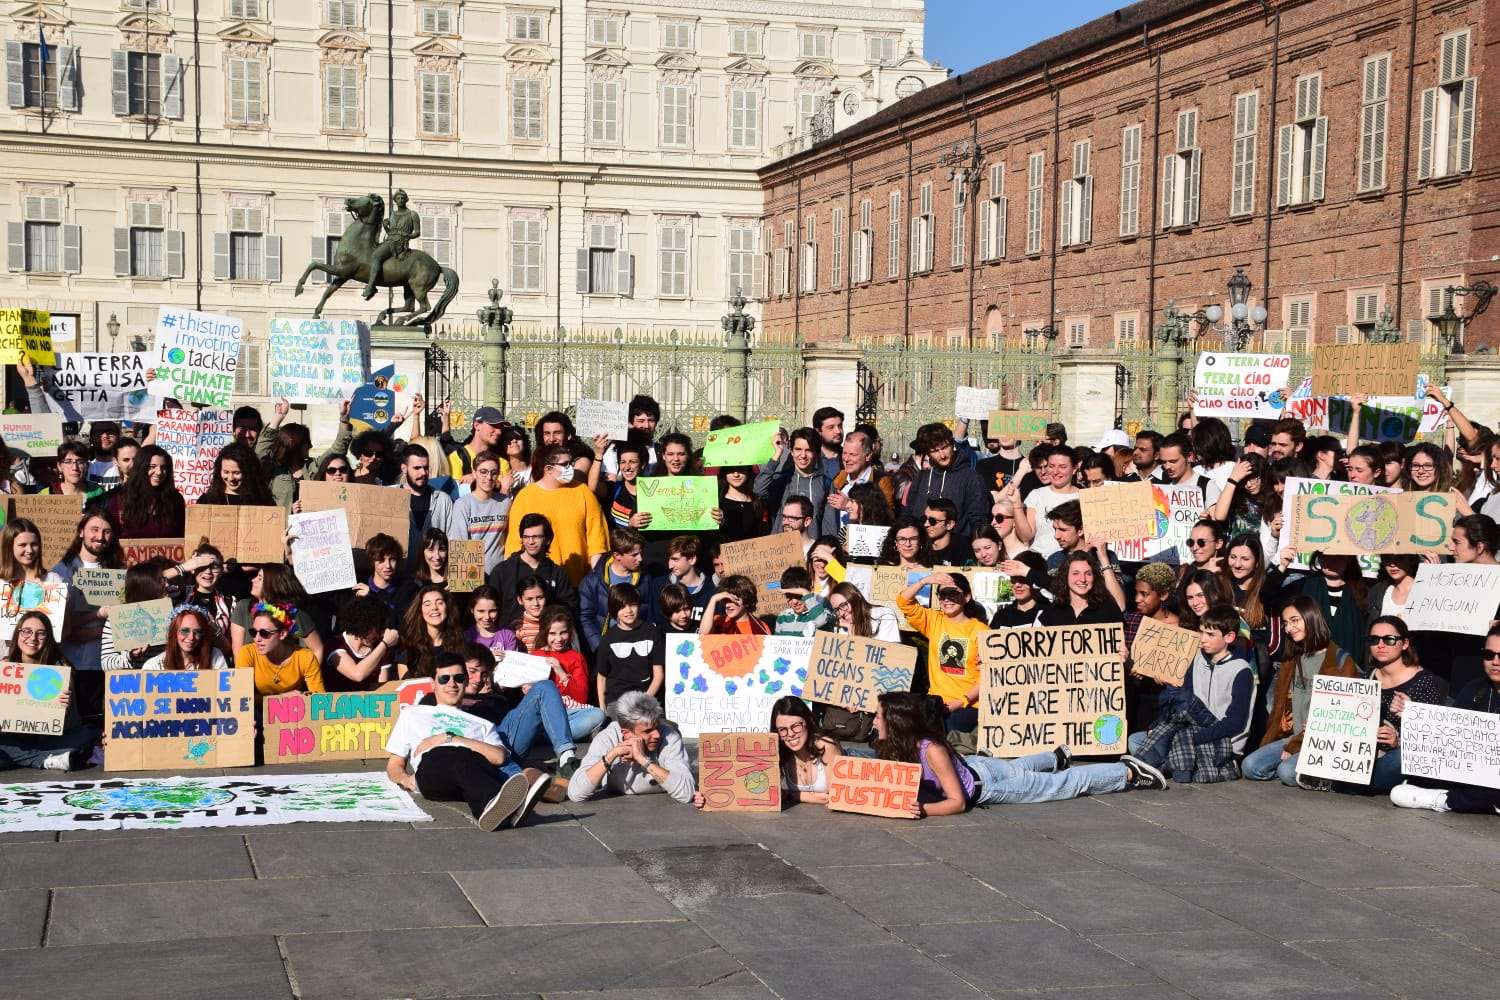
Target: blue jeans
<point>586,721</point>
<point>1033,779</point>
<point>1266,763</point>
<point>1385,776</point>
<point>1134,742</point>
<point>17,750</point>
<point>541,708</point>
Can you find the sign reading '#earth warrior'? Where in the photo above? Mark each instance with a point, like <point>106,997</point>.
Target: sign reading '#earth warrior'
<point>1366,525</point>
<point>194,440</point>
<point>345,725</point>
<point>1375,369</point>
<point>103,386</point>
<point>1338,742</point>
<point>173,720</point>
<point>1240,385</point>
<point>1162,652</point>
<point>739,772</point>
<point>317,360</point>
<point>728,683</point>
<point>196,355</point>
<point>852,671</point>
<point>678,503</point>
<point>28,333</point>
<point>873,787</point>
<point>1057,684</point>
<point>743,444</point>
<point>1453,598</point>
<point>1296,487</point>
<point>1451,744</point>
<point>1175,510</point>
<point>31,699</point>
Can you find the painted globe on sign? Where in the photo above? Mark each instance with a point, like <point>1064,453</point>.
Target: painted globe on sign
<point>176,355</point>
<point>1372,523</point>
<point>43,683</point>
<point>757,782</point>
<point>1108,729</point>
<point>148,797</point>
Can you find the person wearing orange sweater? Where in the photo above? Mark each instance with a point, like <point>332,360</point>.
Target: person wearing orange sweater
<point>579,535</point>
<point>570,672</point>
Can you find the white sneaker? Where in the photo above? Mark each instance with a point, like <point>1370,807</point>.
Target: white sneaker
<point>59,762</point>
<point>1409,796</point>
<point>510,797</point>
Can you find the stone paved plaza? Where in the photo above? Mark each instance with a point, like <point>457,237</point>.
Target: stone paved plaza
<point>1222,892</point>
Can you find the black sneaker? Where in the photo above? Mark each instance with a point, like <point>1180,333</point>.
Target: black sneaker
<point>1143,775</point>
<point>1064,758</point>
<point>537,783</point>
<point>510,797</point>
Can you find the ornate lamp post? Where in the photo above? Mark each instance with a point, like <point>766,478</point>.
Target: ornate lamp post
<point>496,320</point>
<point>1175,334</point>
<point>1450,324</point>
<point>1242,318</point>
<point>1035,336</point>
<point>738,325</point>
<point>965,163</point>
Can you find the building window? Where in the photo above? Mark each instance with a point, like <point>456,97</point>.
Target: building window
<point>672,281</point>
<point>746,265</point>
<point>1035,170</point>
<point>340,97</point>
<point>1298,323</point>
<point>1303,147</point>
<point>604,111</point>
<point>147,240</point>
<point>526,109</point>
<point>744,118</point>
<point>526,26</point>
<point>438,228</point>
<point>808,104</point>
<point>246,245</point>
<point>677,34</point>
<point>604,30</point>
<point>39,242</point>
<point>145,84</point>
<point>744,40</point>
<point>247,10</point>
<point>1078,333</point>
<point>1375,93</point>
<point>809,257</point>
<point>437,102</point>
<point>325,248</point>
<point>813,44</point>
<point>1130,180</point>
<point>992,221</point>
<point>37,79</point>
<point>1181,171</point>
<point>435,19</point>
<point>1438,299</point>
<point>922,225</point>
<point>836,258</point>
<point>860,260</point>
<point>1076,205</point>
<point>1447,145</point>
<point>1242,180</point>
<point>342,14</point>
<point>246,92</point>
<point>893,238</point>
<point>604,266</point>
<point>1125,333</point>
<point>676,114</point>
<point>784,258</point>
<point>1366,312</point>
<point>881,49</point>
<point>956,225</point>
<point>526,255</point>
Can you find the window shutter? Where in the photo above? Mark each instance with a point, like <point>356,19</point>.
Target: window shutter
<point>272,258</point>
<point>1284,141</point>
<point>1466,124</point>
<point>581,270</point>
<point>1086,222</point>
<point>171,86</point>
<point>1065,214</point>
<point>72,249</point>
<point>122,251</point>
<point>1319,157</point>
<point>1000,239</point>
<point>1194,177</point>
<point>67,77</point>
<point>15,246</point>
<point>1168,191</point>
<point>624,273</point>
<point>119,71</point>
<point>1455,59</point>
<point>15,74</point>
<point>758,276</point>
<point>986,223</point>
<point>916,244</point>
<point>175,265</point>
<point>221,256</point>
<point>1372,147</point>
<point>1424,156</point>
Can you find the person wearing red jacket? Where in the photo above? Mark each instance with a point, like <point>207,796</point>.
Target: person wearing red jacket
<point>571,672</point>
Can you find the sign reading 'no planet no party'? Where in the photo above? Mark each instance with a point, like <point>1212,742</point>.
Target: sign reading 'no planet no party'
<point>196,356</point>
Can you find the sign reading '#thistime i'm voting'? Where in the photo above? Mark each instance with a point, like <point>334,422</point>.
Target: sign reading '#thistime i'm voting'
<point>196,355</point>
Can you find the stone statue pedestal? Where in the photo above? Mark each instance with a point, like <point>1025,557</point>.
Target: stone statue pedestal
<point>406,348</point>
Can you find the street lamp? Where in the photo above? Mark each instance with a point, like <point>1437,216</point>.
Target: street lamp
<point>1450,324</point>
<point>1035,336</point>
<point>1242,318</point>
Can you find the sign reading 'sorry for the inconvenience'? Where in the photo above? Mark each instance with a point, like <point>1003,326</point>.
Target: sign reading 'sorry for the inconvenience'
<point>317,360</point>
<point>196,356</point>
<point>852,671</point>
<point>1338,742</point>
<point>762,560</point>
<point>1450,597</point>
<point>1121,512</point>
<point>343,725</point>
<point>31,698</point>
<point>1240,385</point>
<point>321,553</point>
<point>174,720</point>
<point>739,772</point>
<point>873,787</point>
<point>1451,744</point>
<point>1040,687</point>
<point>1373,369</point>
<point>1162,652</point>
<point>728,683</point>
<point>28,333</point>
<point>595,417</point>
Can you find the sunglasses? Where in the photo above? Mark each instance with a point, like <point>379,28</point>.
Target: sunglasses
<point>337,470</point>
<point>1384,640</point>
<point>935,520</point>
<point>188,633</point>
<point>211,568</point>
<point>998,518</point>
<point>1198,543</point>
<point>264,633</point>
<point>795,595</point>
<point>462,677</point>
<point>1490,654</point>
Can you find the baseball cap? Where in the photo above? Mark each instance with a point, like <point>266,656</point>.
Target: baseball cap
<point>488,415</point>
<point>1113,439</point>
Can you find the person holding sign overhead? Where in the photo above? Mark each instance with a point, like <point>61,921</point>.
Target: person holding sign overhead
<point>285,451</point>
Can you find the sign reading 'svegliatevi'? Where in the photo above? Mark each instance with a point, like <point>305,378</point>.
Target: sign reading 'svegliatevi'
<point>196,356</point>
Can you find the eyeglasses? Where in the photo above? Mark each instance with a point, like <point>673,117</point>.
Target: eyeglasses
<point>188,633</point>
<point>1198,543</point>
<point>906,540</point>
<point>1383,640</point>
<point>1490,654</point>
<point>840,607</point>
<point>1423,467</point>
<point>30,633</point>
<point>534,537</point>
<point>72,462</point>
<point>792,730</point>
<point>461,677</point>
<point>487,473</point>
<point>211,568</point>
<point>264,633</point>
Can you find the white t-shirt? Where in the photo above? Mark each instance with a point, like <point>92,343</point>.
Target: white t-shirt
<point>1041,501</point>
<point>417,722</point>
<point>1218,476</point>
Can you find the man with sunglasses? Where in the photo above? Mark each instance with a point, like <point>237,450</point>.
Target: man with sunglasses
<point>448,755</point>
<point>940,521</point>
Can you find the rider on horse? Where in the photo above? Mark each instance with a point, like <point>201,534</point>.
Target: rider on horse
<point>403,226</point>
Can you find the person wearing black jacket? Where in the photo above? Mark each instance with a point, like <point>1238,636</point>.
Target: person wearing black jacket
<point>947,476</point>
<point>532,560</point>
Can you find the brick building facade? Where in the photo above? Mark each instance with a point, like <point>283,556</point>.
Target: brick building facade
<point>1333,149</point>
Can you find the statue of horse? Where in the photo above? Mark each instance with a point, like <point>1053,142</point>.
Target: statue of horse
<point>414,272</point>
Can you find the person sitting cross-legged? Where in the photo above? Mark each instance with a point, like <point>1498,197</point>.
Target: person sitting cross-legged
<point>640,752</point>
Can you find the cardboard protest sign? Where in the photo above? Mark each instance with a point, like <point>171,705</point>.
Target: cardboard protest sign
<point>852,671</point>
<point>1450,744</point>
<point>321,553</point>
<point>1050,685</point>
<point>100,587</point>
<point>344,725</point>
<point>465,565</point>
<point>888,582</point>
<point>37,434</point>
<point>372,510</point>
<point>1024,425</point>
<point>762,560</point>
<point>194,439</point>
<point>1382,418</point>
<point>1374,369</point>
<point>317,360</point>
<point>1453,597</point>
<point>744,444</point>
<point>1118,512</point>
<point>196,356</point>
<point>1241,385</point>
<point>49,597</point>
<point>56,517</point>
<point>1368,525</point>
<point>1338,742</point>
<point>594,417</point>
<point>728,683</point>
<point>103,386</point>
<point>974,404</point>
<point>374,403</point>
<point>175,720</point>
<point>141,624</point>
<point>517,668</point>
<point>1296,486</point>
<point>873,787</point>
<point>1175,510</point>
<point>1162,652</point>
<point>739,772</point>
<point>865,541</point>
<point>678,503</point>
<point>138,550</point>
<point>26,333</point>
<point>31,698</point>
<point>244,534</point>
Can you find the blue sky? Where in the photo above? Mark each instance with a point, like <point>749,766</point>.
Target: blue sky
<point>963,34</point>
